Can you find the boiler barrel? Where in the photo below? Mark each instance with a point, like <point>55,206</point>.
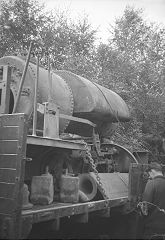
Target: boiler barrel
<point>73,94</point>
<point>94,101</point>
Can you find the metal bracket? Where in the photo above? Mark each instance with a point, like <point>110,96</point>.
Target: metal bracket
<point>51,120</point>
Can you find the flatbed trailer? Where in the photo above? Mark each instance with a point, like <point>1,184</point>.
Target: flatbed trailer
<point>15,222</point>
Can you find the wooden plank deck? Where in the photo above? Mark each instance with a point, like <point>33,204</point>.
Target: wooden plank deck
<point>59,210</point>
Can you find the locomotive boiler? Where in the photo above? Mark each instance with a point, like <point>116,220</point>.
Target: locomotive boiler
<point>73,94</point>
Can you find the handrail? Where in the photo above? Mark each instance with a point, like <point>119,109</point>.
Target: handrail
<point>35,99</point>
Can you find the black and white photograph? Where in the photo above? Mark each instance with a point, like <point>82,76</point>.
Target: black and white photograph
<point>82,119</point>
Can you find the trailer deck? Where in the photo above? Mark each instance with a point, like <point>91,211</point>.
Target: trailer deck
<point>15,221</point>
<point>57,210</point>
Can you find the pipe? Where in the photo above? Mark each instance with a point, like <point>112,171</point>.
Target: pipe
<point>49,81</point>
<point>35,99</point>
<point>23,78</point>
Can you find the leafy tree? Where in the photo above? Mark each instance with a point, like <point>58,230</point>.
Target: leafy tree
<point>66,42</point>
<point>115,72</point>
<point>20,22</point>
<point>133,63</point>
<point>71,43</point>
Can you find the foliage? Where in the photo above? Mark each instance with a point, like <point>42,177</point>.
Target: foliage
<point>72,45</point>
<point>132,63</point>
<point>20,22</point>
<point>67,43</point>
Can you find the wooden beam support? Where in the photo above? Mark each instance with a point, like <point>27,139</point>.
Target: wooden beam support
<point>82,218</point>
<point>26,227</point>
<point>55,226</point>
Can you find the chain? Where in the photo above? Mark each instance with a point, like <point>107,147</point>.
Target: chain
<point>93,166</point>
